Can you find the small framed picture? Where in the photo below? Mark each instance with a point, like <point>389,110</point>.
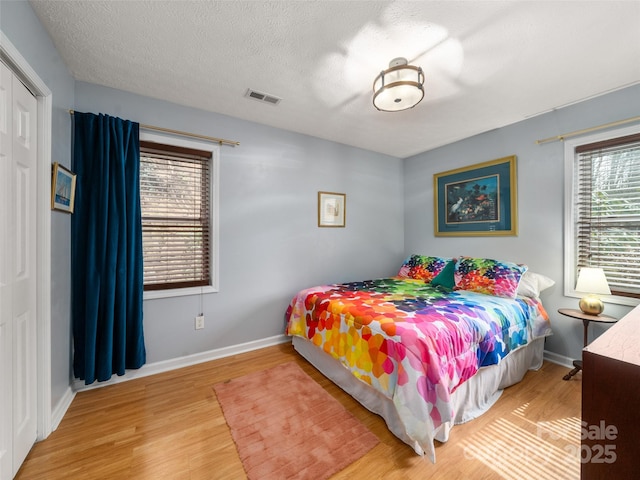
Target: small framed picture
<point>331,209</point>
<point>63,188</point>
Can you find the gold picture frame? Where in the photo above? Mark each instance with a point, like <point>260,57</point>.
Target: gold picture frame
<point>63,188</point>
<point>332,209</point>
<point>478,200</point>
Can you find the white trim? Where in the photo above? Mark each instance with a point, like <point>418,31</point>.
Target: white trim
<point>215,217</point>
<point>569,214</point>
<point>61,408</point>
<point>178,292</point>
<point>43,238</point>
<point>186,361</point>
<point>558,359</point>
<point>181,141</point>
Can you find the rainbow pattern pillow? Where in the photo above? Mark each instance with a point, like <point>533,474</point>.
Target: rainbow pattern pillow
<point>491,277</point>
<point>422,267</point>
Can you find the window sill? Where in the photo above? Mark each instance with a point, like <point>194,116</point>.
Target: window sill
<point>178,292</point>
<point>612,299</point>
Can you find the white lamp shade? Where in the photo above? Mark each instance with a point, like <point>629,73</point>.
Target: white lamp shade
<point>592,280</point>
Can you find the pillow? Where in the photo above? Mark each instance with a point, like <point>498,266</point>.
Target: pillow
<point>532,284</point>
<point>445,278</point>
<point>488,276</point>
<point>422,267</point>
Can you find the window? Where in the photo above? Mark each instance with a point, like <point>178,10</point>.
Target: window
<point>178,179</point>
<point>603,223</point>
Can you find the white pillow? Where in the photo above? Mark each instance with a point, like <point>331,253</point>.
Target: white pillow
<point>532,284</point>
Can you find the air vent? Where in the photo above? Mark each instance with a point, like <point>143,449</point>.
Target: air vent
<point>262,97</point>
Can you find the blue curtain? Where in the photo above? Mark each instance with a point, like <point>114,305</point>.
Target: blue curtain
<point>106,248</point>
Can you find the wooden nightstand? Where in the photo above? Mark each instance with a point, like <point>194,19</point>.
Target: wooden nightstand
<point>586,319</point>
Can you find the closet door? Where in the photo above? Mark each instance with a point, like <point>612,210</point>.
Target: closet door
<point>18,162</point>
<point>6,332</point>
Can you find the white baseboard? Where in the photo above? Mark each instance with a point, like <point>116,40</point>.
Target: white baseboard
<point>558,359</point>
<point>61,408</point>
<point>180,362</point>
<point>188,360</point>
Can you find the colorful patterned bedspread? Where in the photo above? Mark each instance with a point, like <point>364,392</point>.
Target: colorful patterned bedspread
<point>414,342</point>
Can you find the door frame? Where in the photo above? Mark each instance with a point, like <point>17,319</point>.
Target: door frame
<point>34,83</point>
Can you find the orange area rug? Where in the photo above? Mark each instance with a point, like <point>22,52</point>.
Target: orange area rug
<point>286,426</point>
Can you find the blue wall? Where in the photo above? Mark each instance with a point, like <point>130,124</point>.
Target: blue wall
<point>541,183</point>
<point>22,27</point>
<point>270,245</point>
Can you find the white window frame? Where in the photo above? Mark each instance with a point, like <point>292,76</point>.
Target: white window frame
<point>569,215</point>
<point>149,136</point>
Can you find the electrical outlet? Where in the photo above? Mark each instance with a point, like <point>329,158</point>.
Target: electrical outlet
<point>199,322</point>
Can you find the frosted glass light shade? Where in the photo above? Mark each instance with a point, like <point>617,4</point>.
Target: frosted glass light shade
<point>400,87</point>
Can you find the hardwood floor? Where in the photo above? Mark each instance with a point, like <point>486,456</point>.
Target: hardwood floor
<point>170,426</point>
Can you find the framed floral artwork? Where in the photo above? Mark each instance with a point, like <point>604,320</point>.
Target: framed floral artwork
<point>477,200</point>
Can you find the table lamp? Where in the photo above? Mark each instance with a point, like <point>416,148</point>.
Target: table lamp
<point>593,282</point>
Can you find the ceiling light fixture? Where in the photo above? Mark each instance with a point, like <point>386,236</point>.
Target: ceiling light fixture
<point>399,87</point>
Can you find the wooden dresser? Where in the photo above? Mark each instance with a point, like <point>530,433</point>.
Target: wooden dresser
<point>611,402</point>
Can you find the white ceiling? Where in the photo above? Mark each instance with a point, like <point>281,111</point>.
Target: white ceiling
<point>487,63</point>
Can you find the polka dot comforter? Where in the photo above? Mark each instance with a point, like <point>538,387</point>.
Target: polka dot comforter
<point>412,341</point>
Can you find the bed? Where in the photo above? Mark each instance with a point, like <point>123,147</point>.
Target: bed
<point>429,348</point>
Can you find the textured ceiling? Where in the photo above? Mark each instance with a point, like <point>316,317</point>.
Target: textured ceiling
<point>487,63</point>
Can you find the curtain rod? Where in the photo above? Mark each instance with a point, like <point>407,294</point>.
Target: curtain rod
<point>221,141</point>
<point>587,130</point>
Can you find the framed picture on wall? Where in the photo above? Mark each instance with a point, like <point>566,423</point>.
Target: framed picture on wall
<point>63,188</point>
<point>331,209</point>
<point>477,200</point>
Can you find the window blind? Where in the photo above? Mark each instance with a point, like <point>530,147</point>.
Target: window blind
<point>607,203</point>
<point>175,191</point>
